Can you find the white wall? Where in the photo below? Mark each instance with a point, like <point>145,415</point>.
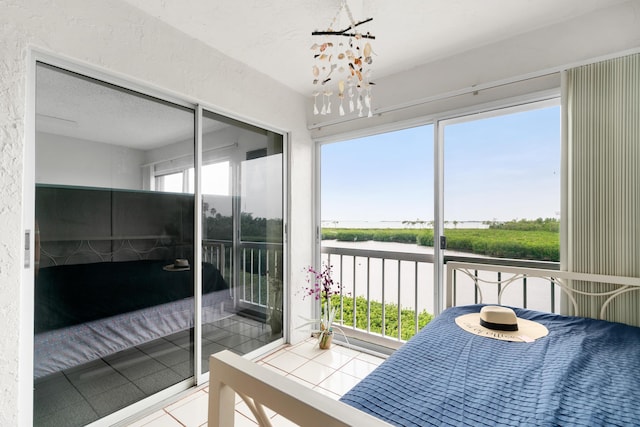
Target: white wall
<point>426,89</point>
<point>115,38</point>
<point>70,161</point>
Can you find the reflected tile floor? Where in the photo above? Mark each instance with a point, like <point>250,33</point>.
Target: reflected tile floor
<point>331,372</point>
<point>83,394</point>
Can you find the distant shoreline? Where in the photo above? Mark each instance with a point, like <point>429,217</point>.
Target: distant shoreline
<point>415,225</point>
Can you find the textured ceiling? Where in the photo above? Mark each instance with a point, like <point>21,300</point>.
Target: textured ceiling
<point>274,36</point>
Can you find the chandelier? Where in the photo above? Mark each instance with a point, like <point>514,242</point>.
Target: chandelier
<point>341,66</point>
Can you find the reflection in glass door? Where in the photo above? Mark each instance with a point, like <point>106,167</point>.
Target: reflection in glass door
<point>113,320</point>
<point>502,194</point>
<point>242,237</point>
<point>115,301</point>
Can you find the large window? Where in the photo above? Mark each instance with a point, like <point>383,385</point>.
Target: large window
<point>377,205</point>
<point>500,195</point>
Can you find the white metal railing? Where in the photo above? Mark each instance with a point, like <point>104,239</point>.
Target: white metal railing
<point>257,264</point>
<point>409,276</point>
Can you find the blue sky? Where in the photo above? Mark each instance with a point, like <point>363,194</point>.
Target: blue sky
<point>502,168</point>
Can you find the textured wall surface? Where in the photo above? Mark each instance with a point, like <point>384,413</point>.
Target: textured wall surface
<point>120,40</point>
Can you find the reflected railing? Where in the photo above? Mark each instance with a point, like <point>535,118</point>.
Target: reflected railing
<point>258,262</point>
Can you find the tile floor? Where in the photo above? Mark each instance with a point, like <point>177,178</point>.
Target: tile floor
<point>331,372</point>
<point>80,395</point>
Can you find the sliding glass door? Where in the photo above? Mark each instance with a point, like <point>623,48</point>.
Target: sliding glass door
<point>242,236</point>
<point>120,280</point>
<point>377,230</point>
<point>114,284</point>
<point>502,197</point>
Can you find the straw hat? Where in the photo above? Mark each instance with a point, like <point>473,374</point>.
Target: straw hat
<point>501,323</point>
<point>179,264</point>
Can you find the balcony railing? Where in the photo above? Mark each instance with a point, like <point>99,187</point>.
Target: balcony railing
<point>401,281</point>
<point>404,281</point>
<point>258,262</point>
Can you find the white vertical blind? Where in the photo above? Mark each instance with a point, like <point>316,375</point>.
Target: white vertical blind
<point>603,120</point>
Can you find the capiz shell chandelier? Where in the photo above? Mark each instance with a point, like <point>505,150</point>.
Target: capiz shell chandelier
<point>341,65</point>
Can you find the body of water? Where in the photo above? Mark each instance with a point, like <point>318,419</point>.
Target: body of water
<point>412,283</point>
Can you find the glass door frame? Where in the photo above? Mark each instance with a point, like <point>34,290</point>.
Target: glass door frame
<point>517,105</point>
<point>439,121</point>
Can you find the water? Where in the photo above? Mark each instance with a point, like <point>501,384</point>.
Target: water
<point>380,282</point>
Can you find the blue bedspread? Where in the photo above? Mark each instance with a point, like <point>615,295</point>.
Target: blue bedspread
<point>585,372</point>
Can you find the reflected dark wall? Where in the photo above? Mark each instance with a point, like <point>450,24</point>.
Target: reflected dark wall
<point>67,214</point>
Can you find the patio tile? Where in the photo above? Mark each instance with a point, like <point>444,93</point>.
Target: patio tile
<point>358,368</point>
<point>339,383</point>
<point>333,358</point>
<point>287,361</point>
<point>192,413</point>
<point>313,372</point>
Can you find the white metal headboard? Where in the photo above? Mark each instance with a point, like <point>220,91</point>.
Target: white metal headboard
<point>563,279</point>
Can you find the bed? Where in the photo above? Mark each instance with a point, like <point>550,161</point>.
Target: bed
<point>85,312</point>
<point>584,372</point>
<point>103,281</point>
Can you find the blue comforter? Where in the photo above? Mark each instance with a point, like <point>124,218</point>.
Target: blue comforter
<point>585,372</point>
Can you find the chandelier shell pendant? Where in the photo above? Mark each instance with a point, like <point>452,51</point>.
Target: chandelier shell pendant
<point>341,63</point>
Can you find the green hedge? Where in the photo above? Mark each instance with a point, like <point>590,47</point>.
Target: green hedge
<point>537,244</point>
<point>390,315</point>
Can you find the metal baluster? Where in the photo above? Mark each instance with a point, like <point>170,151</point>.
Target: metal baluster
<point>399,306</point>
<point>415,307</point>
<point>368,295</point>
<point>341,292</point>
<point>384,325</point>
<point>251,278</point>
<point>524,291</point>
<point>354,292</point>
<point>475,286</point>
<point>499,287</point>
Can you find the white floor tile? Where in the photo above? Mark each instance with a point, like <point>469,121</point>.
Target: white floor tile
<point>280,421</point>
<point>371,358</point>
<point>287,361</point>
<point>308,349</point>
<point>244,410</point>
<point>313,372</point>
<point>242,421</point>
<point>334,359</point>
<point>358,368</point>
<point>327,393</point>
<point>339,383</point>
<point>330,372</point>
<point>273,355</point>
<point>345,350</point>
<point>193,413</point>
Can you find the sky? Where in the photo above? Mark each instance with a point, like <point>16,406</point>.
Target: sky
<point>499,168</point>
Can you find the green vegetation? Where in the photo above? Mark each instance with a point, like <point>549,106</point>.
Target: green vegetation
<point>520,239</point>
<point>364,234</point>
<point>547,224</point>
<point>390,315</point>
